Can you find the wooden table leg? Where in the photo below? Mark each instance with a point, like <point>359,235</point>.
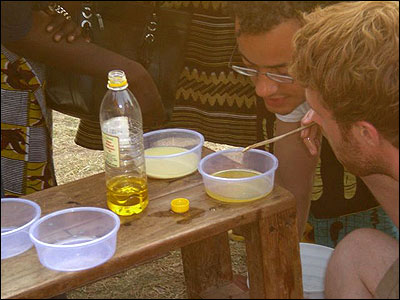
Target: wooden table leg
<point>207,264</point>
<point>272,243</point>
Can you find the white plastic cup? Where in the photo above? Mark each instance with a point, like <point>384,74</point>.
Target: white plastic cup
<point>314,260</point>
<point>75,239</point>
<point>17,216</point>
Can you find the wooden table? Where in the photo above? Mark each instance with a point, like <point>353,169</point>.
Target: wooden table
<point>268,225</point>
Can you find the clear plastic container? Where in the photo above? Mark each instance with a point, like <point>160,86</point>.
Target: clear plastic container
<point>172,153</point>
<point>17,216</point>
<point>314,260</point>
<point>76,238</point>
<point>233,176</point>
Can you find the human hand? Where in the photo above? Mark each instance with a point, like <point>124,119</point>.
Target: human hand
<point>62,26</point>
<point>312,135</point>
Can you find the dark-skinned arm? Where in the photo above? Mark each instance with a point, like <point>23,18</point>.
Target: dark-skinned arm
<point>87,58</point>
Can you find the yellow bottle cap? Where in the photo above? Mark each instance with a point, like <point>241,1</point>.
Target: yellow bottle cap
<point>180,205</point>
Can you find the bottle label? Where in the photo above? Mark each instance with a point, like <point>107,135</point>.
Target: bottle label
<point>111,150</point>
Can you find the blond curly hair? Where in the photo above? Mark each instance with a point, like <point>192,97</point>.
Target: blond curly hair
<point>349,53</point>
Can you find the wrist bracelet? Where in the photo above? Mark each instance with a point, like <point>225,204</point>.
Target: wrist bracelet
<point>54,8</point>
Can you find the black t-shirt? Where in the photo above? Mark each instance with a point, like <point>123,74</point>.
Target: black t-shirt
<point>339,198</point>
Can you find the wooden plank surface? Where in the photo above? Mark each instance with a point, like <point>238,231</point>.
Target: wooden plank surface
<point>154,232</point>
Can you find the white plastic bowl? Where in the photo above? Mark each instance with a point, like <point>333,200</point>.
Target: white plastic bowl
<point>314,260</point>
<point>259,167</point>
<point>172,153</point>
<point>17,215</point>
<point>76,238</point>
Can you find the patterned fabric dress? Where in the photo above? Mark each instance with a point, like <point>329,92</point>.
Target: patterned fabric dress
<point>26,150</point>
<point>223,106</point>
<point>211,98</point>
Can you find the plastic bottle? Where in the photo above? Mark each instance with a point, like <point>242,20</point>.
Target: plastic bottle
<point>122,135</point>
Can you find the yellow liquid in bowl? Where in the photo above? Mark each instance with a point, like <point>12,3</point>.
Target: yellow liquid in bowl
<point>236,173</point>
<point>245,191</point>
<point>170,167</point>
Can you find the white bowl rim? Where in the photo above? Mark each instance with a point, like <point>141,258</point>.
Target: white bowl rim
<point>195,148</point>
<point>71,210</point>
<point>38,212</point>
<point>270,155</point>
<point>312,245</point>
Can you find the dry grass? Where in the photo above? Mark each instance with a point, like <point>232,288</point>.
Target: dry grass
<point>71,161</point>
<point>159,279</point>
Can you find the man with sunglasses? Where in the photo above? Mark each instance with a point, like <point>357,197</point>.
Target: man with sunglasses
<point>342,202</point>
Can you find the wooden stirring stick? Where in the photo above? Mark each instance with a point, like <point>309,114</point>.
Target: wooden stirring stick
<point>277,138</point>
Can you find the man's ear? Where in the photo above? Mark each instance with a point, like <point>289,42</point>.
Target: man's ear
<point>366,133</point>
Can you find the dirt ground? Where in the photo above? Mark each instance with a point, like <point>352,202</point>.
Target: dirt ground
<point>159,279</point>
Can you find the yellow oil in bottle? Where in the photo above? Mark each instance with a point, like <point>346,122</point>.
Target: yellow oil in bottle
<point>127,195</point>
<point>245,191</point>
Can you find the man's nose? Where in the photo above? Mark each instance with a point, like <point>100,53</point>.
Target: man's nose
<point>265,87</point>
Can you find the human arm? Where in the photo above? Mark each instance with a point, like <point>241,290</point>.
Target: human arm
<point>17,20</point>
<point>86,58</point>
<point>296,169</point>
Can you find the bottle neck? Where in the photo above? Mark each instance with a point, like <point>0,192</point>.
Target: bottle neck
<point>117,80</point>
